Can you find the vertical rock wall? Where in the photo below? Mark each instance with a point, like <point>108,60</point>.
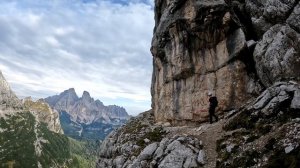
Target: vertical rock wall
<point>210,45</point>
<point>197,47</point>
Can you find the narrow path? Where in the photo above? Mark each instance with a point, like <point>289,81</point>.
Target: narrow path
<point>208,134</point>
<point>209,137</point>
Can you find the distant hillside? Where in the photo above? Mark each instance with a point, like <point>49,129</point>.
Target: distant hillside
<point>31,136</point>
<point>84,117</point>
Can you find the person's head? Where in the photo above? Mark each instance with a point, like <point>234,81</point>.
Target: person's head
<point>209,94</point>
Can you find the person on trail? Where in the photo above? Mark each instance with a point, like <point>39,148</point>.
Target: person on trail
<point>213,103</point>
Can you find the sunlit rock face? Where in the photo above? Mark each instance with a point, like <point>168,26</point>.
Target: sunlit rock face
<point>7,96</point>
<point>197,47</point>
<point>44,113</point>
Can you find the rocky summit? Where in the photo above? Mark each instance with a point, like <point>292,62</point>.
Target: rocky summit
<point>246,52</point>
<point>84,117</point>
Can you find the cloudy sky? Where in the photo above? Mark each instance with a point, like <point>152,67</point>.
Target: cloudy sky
<point>101,46</point>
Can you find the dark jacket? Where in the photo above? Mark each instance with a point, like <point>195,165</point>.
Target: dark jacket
<point>213,102</point>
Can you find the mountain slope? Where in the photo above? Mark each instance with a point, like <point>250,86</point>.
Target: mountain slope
<point>31,136</point>
<point>44,114</point>
<point>25,140</point>
<point>28,143</point>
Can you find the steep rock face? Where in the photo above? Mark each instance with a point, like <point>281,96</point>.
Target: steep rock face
<point>7,96</point>
<point>44,114</point>
<point>197,47</point>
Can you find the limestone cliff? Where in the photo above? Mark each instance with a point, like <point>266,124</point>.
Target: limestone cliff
<point>44,114</point>
<point>197,47</point>
<point>200,46</point>
<point>7,96</point>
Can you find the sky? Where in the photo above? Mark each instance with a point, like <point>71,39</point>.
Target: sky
<point>101,46</point>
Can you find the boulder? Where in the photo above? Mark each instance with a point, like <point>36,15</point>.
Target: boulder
<point>296,100</point>
<point>294,18</point>
<point>201,157</point>
<point>277,55</point>
<point>148,151</point>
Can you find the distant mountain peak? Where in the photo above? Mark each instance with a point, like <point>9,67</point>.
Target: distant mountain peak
<point>85,109</point>
<point>70,91</point>
<point>86,97</point>
<point>86,94</point>
<point>7,96</point>
<point>86,117</point>
<point>64,100</point>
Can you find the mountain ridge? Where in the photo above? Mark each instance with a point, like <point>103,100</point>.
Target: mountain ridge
<point>84,117</point>
<point>85,109</point>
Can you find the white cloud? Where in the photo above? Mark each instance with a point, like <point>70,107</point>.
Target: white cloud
<point>102,47</point>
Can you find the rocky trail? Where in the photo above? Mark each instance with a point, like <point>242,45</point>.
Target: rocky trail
<point>263,133</point>
<point>207,133</point>
<point>209,136</point>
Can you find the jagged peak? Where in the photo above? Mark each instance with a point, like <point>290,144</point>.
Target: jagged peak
<point>99,103</point>
<point>87,97</point>
<point>70,91</point>
<point>86,94</point>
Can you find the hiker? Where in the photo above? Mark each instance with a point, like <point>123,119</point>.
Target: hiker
<point>213,103</point>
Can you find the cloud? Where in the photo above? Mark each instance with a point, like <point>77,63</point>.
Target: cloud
<point>98,46</point>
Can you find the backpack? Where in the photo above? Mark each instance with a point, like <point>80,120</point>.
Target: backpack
<point>214,102</point>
